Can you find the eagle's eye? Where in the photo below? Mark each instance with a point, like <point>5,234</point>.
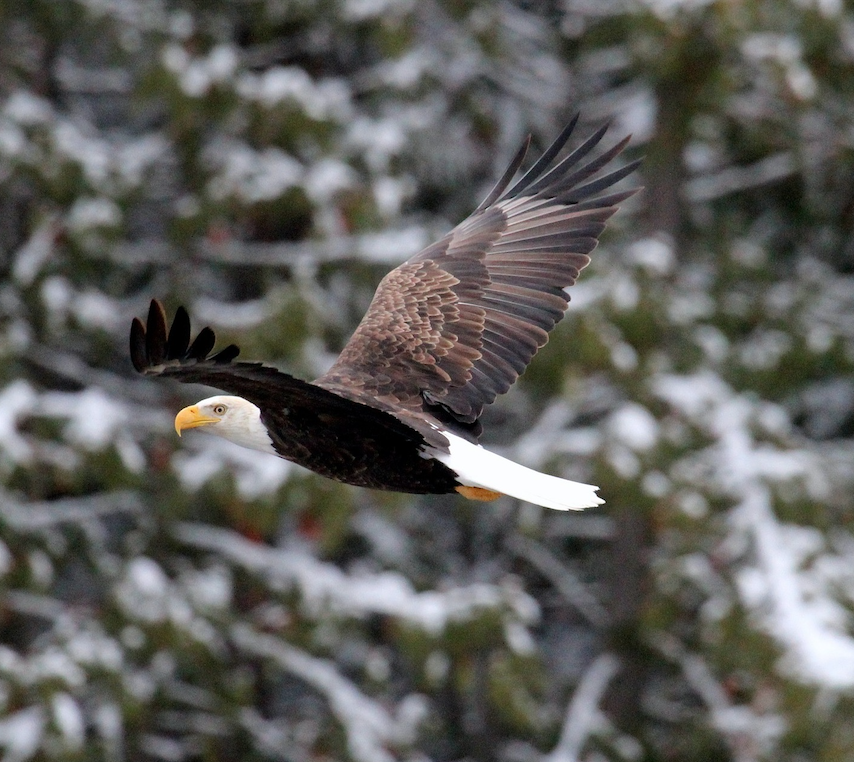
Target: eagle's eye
<point>220,409</point>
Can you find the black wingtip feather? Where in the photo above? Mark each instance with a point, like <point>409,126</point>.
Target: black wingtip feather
<point>138,355</point>
<point>226,355</point>
<point>179,335</point>
<point>152,349</point>
<point>201,347</point>
<point>155,334</point>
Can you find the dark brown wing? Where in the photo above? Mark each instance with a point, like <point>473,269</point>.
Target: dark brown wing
<point>455,325</point>
<point>294,410</point>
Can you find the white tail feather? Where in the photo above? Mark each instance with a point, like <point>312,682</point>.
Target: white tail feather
<point>477,467</point>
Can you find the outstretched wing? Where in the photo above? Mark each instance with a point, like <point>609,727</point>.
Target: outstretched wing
<point>455,325</point>
<point>285,401</point>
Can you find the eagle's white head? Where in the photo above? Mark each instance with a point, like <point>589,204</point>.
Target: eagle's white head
<point>232,418</point>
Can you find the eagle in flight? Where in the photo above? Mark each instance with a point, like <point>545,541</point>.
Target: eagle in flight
<point>447,331</point>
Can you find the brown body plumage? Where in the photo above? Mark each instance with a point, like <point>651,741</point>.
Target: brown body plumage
<point>446,332</point>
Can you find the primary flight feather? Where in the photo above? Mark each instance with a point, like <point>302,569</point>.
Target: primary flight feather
<point>447,331</point>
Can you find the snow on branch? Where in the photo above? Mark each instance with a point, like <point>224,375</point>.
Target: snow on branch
<point>94,419</point>
<point>814,628</point>
<point>21,733</point>
<point>568,584</point>
<point>325,586</point>
<point>389,247</point>
<point>583,717</point>
<point>794,603</point>
<point>709,187</point>
<point>369,726</point>
<point>43,514</point>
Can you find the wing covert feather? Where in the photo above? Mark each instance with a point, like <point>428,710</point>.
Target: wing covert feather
<point>456,324</point>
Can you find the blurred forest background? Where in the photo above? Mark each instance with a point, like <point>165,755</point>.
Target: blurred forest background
<point>265,162</point>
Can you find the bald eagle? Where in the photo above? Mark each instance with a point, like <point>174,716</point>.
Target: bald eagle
<point>447,331</point>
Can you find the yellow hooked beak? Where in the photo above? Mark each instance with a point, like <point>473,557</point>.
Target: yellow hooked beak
<point>190,418</point>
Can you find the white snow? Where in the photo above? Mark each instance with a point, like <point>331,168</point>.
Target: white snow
<point>390,193</point>
<point>143,592</point>
<point>327,99</point>
<point>326,587</point>
<point>656,255</point>
<point>208,456</point>
<point>814,628</point>
<point>655,484</point>
<point>633,425</point>
<point>92,154</point>
<point>786,50</point>
<point>39,563</point>
<point>196,76</point>
<point>32,256</point>
<point>249,174</point>
<point>764,349</point>
<point>13,143</point>
<point>625,292</point>
<point>147,578</point>
<point>713,342</point>
<point>26,108</point>
<point>623,461</point>
<point>94,418</point>
<point>21,733</point>
<point>689,306</point>
<point>56,293</point>
<point>362,10</point>
<point>799,608</point>
<point>16,400</point>
<point>327,178</point>
<point>89,646</point>
<point>371,729</point>
<point>136,156</point>
<point>95,309</point>
<point>731,179</point>
<point>5,559</point>
<point>108,721</point>
<point>248,314</point>
<point>87,213</point>
<point>624,356</point>
<point>52,665</point>
<point>210,588</point>
<point>378,141</point>
<point>583,716</point>
<point>667,10</point>
<point>390,542</point>
<point>406,71</point>
<point>692,395</point>
<point>147,595</point>
<point>391,247</point>
<point>69,720</point>
<point>49,513</point>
